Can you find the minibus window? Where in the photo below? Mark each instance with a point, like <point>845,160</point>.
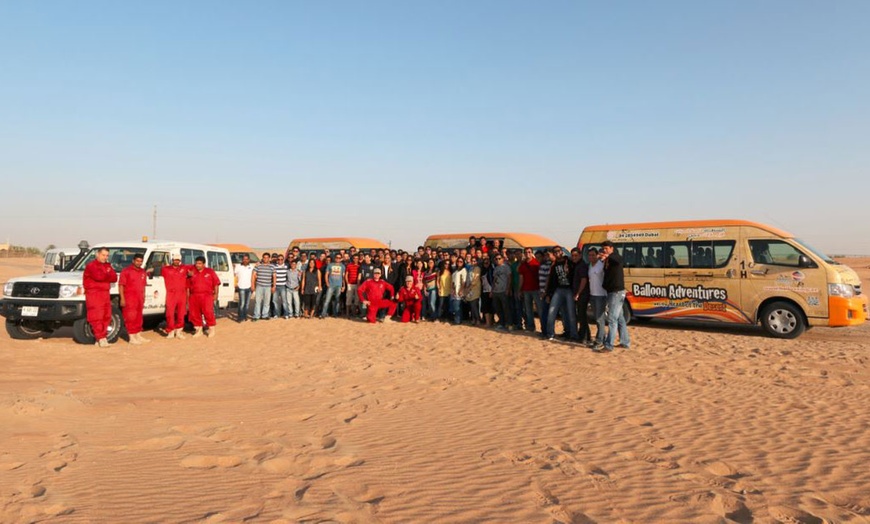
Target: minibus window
<point>824,257</point>
<point>722,250</point>
<point>677,254</point>
<point>652,255</point>
<point>702,254</point>
<point>630,255</point>
<point>774,252</point>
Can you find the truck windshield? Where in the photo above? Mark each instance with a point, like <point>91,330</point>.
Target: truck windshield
<point>119,257</point>
<point>816,252</point>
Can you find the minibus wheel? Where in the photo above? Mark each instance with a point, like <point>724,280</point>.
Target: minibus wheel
<point>626,312</point>
<point>783,320</point>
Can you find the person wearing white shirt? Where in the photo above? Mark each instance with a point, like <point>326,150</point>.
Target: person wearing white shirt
<point>597,295</point>
<point>244,272</point>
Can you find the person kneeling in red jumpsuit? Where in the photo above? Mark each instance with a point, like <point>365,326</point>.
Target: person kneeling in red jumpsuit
<point>203,286</point>
<point>411,297</point>
<point>371,294</point>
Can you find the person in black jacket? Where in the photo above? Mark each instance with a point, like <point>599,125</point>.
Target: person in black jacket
<point>614,284</point>
<point>560,295</point>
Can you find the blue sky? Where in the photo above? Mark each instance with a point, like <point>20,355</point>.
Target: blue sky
<point>258,122</point>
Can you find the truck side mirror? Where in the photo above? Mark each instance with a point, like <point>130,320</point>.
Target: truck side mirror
<point>805,262</point>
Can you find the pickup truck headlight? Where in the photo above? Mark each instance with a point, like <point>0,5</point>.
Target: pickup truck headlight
<point>841,290</point>
<point>67,291</point>
<point>7,289</point>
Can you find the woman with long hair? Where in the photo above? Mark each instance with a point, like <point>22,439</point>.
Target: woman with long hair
<point>310,287</point>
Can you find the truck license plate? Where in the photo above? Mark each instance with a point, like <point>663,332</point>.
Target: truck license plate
<point>29,311</point>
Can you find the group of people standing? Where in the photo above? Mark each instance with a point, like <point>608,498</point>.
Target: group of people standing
<point>190,291</point>
<point>482,284</point>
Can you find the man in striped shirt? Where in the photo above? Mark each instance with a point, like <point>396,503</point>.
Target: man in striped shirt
<point>546,263</point>
<point>280,302</point>
<point>264,280</point>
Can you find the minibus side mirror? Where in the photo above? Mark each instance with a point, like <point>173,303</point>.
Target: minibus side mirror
<point>805,262</point>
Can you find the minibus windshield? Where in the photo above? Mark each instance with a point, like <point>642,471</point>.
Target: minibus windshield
<point>816,252</point>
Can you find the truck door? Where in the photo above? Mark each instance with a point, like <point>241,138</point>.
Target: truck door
<point>155,289</point>
<point>220,263</point>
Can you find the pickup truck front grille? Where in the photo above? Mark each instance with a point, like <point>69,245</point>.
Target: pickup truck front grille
<point>36,290</point>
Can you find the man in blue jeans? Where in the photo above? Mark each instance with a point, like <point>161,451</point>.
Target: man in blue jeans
<point>598,297</point>
<point>334,286</point>
<point>264,280</point>
<point>614,284</point>
<point>244,273</point>
<point>560,296</point>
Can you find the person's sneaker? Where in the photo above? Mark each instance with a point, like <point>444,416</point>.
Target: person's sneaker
<point>179,334</point>
<point>510,328</point>
<point>596,346</point>
<point>551,339</point>
<point>499,328</point>
<point>103,343</point>
<point>142,340</point>
<point>197,332</point>
<point>254,319</point>
<point>170,333</point>
<point>211,332</point>
<point>623,346</point>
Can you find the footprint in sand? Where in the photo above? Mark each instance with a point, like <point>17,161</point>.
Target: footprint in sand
<point>730,507</point>
<point>660,444</point>
<point>358,493</point>
<point>850,504</point>
<point>210,461</point>
<point>285,465</point>
<point>722,469</point>
<point>170,442</point>
<point>659,462</point>
<point>542,494</point>
<point>637,421</point>
<point>10,466</point>
<point>788,515</point>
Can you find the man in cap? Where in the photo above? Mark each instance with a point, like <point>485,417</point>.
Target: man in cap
<point>175,282</point>
<point>412,298</point>
<point>98,277</point>
<point>203,286</point>
<point>371,294</point>
<point>131,291</point>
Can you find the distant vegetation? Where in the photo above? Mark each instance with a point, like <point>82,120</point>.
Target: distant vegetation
<point>7,250</point>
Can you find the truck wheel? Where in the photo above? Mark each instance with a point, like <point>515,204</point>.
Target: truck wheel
<point>83,334</point>
<point>26,330</point>
<point>783,320</point>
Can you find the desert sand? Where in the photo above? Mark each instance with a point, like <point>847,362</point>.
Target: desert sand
<point>340,421</point>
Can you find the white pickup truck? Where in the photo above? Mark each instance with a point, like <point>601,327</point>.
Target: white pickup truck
<point>37,305</point>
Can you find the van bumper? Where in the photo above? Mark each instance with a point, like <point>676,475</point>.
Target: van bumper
<point>847,311</point>
<point>54,311</point>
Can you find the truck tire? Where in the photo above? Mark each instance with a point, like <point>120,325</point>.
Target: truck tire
<point>82,329</point>
<point>783,320</point>
<point>26,330</point>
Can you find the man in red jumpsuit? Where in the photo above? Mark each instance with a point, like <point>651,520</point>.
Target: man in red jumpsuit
<point>131,290</point>
<point>98,277</point>
<point>175,282</point>
<point>203,286</point>
<point>413,300</point>
<point>371,294</point>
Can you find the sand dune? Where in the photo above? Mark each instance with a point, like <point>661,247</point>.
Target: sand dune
<point>339,421</point>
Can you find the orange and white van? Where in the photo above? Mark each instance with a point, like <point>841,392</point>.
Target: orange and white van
<point>237,251</point>
<point>511,240</point>
<point>317,245</point>
<point>731,271</point>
